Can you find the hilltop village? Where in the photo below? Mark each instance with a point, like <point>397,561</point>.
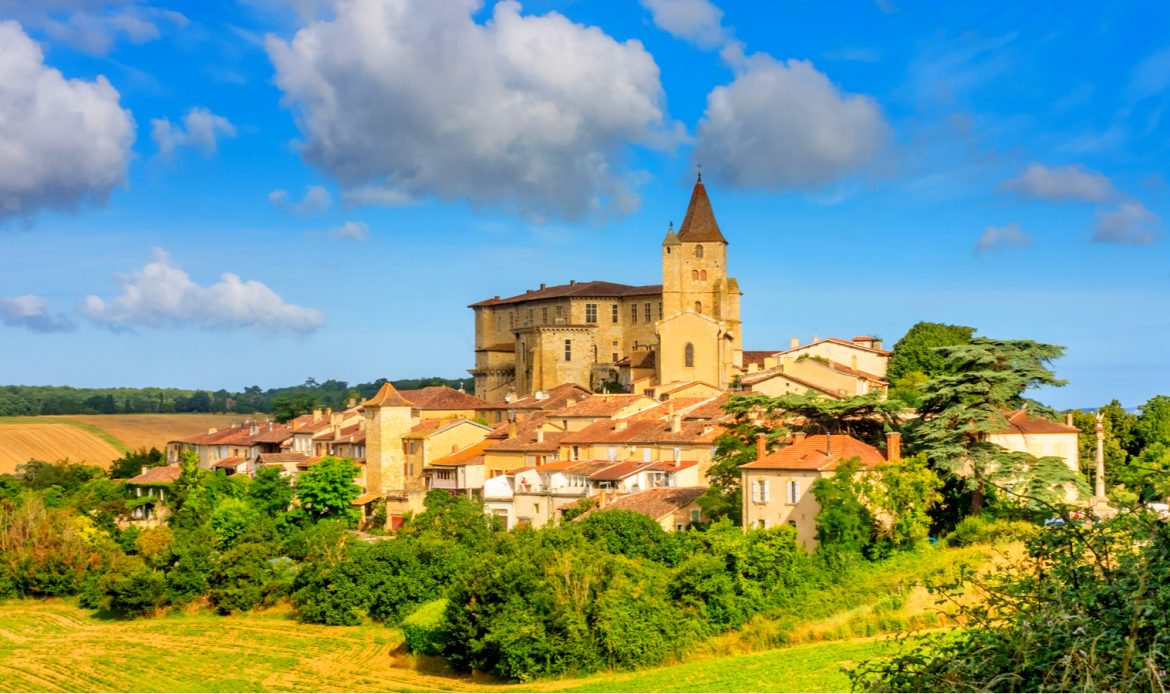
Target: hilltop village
<point>593,390</point>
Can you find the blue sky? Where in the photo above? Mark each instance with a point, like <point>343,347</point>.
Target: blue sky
<point>255,192</point>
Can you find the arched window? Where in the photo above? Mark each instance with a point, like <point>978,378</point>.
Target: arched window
<point>694,274</point>
<point>698,307</point>
<point>703,275</point>
<point>689,355</point>
<point>699,251</point>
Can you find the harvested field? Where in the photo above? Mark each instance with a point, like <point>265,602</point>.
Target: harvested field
<point>95,439</point>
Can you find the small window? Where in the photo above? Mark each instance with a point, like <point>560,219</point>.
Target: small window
<point>689,356</point>
<point>698,307</point>
<point>695,275</point>
<point>659,310</point>
<point>615,312</point>
<point>544,315</point>
<point>568,350</point>
<point>560,312</point>
<point>590,313</point>
<point>633,313</point>
<point>793,491</point>
<point>614,358</point>
<point>529,321</point>
<point>699,251</point>
<point>703,275</point>
<point>646,313</point>
<point>696,515</point>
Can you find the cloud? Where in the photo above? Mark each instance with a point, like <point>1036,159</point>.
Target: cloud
<point>356,231</point>
<point>996,238</point>
<point>1129,223</point>
<point>374,194</point>
<point>32,312</point>
<point>532,113</point>
<point>785,125</point>
<point>64,141</point>
<point>316,199</point>
<point>162,294</point>
<point>1061,183</point>
<point>201,129</point>
<point>696,21</point>
<point>93,26</point>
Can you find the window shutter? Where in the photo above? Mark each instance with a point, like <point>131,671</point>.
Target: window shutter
<point>765,490</point>
<point>755,491</point>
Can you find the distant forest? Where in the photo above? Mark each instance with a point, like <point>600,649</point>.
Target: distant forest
<point>281,402</point>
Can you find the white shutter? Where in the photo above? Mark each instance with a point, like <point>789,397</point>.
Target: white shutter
<point>755,491</point>
<point>764,491</point>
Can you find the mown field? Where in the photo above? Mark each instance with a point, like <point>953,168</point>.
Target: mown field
<point>95,439</point>
<point>54,646</point>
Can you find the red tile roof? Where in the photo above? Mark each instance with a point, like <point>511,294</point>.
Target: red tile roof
<point>472,455</point>
<point>655,503</point>
<point>265,458</point>
<point>229,462</point>
<point>553,399</point>
<point>761,376</point>
<point>1020,422</point>
<point>820,452</point>
<point>601,406</point>
<point>620,471</point>
<point>699,224</point>
<point>757,356</point>
<point>441,398</point>
<point>601,290</point>
<point>162,475</point>
<point>386,396</point>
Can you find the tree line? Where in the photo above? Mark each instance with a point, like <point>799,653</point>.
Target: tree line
<point>284,403</point>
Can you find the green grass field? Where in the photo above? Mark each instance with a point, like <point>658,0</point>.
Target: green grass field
<point>54,646</point>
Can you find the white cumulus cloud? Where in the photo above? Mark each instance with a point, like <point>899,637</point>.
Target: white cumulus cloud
<point>697,21</point>
<point>1129,223</point>
<point>32,312</point>
<point>162,294</point>
<point>532,113</point>
<point>1061,183</point>
<point>356,231</point>
<point>316,199</point>
<point>785,125</point>
<point>995,238</point>
<point>200,129</point>
<point>62,141</point>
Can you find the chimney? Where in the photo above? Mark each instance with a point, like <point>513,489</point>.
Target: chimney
<point>270,425</point>
<point>816,338</point>
<point>876,344</point>
<point>253,428</point>
<point>761,446</point>
<point>540,435</point>
<point>793,343</point>
<point>798,437</point>
<point>620,425</point>
<point>893,446</point>
<point>675,423</point>
<point>335,418</point>
<point>317,414</point>
<point>144,469</point>
<point>543,285</point>
<point>572,283</point>
<point>351,404</point>
<point>1068,419</point>
<point>512,429</point>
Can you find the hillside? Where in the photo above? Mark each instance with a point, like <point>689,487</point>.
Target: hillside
<point>94,439</point>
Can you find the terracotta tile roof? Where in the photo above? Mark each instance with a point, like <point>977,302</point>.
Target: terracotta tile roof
<point>229,462</point>
<point>164,474</point>
<point>644,430</point>
<point>655,503</point>
<point>818,452</point>
<point>265,458</point>
<point>620,471</point>
<point>442,398</point>
<point>757,356</point>
<point>366,498</point>
<point>472,455</point>
<point>584,468</point>
<point>553,399</point>
<point>499,347</point>
<point>601,290</point>
<point>1020,422</point>
<point>761,376</point>
<point>216,437</point>
<point>386,396</point>
<point>701,408</point>
<point>601,406</point>
<point>276,434</point>
<point>525,442</point>
<point>850,343</point>
<point>699,224</point>
<point>640,360</point>
<point>849,370</point>
<point>424,428</point>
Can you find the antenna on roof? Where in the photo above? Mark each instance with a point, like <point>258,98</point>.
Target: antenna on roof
<point>700,168</point>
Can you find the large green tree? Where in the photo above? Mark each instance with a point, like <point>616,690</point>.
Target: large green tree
<point>980,384</point>
<point>1153,424</point>
<point>327,488</point>
<point>916,359</point>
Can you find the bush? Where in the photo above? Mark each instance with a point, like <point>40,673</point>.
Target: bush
<point>630,534</point>
<point>974,530</point>
<point>244,577</point>
<point>131,589</point>
<point>425,628</point>
<point>191,564</point>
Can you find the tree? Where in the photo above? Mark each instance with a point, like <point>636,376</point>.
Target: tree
<point>189,500</point>
<point>270,492</point>
<point>901,496</point>
<point>844,525</point>
<point>981,382</point>
<point>735,447</point>
<point>327,489</point>
<point>916,359</point>
<point>1153,424</point>
<point>864,417</point>
<point>134,462</point>
<point>286,407</point>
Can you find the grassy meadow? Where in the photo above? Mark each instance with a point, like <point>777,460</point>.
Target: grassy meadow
<point>54,646</point>
<point>95,439</point>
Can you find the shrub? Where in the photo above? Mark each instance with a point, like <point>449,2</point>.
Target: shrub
<point>425,628</point>
<point>974,530</point>
<point>630,534</point>
<point>244,578</point>
<point>191,565</point>
<point>131,589</point>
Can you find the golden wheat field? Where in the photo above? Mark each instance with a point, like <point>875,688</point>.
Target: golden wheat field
<point>95,439</point>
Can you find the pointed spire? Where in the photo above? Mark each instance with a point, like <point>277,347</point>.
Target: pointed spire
<point>671,237</point>
<point>387,396</point>
<point>699,226</point>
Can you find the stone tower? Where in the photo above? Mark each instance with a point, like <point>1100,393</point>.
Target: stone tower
<point>388,419</point>
<point>699,337</point>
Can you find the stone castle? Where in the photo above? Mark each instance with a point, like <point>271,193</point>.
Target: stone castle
<point>593,333</point>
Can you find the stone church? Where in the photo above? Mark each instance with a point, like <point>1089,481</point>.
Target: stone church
<point>592,333</point>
